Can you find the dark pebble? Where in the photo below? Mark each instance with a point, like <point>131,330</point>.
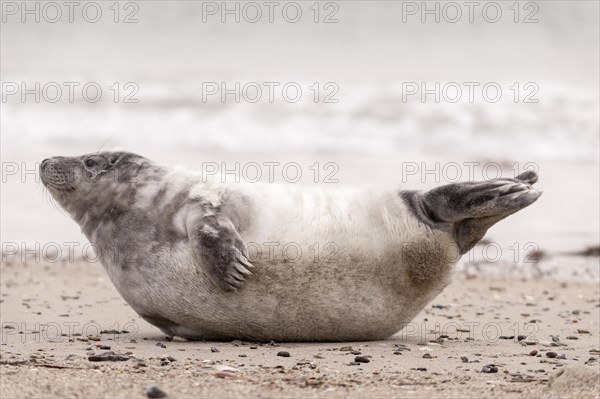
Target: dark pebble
<point>521,337</point>
<point>551,354</point>
<point>161,345</point>
<point>110,332</point>
<point>427,356</point>
<point>362,359</point>
<point>507,337</point>
<point>168,339</point>
<point>108,357</point>
<point>356,353</point>
<point>533,352</point>
<point>244,355</point>
<point>421,369</point>
<point>490,368</point>
<point>283,354</point>
<point>214,350</point>
<point>154,391</point>
<point>104,347</point>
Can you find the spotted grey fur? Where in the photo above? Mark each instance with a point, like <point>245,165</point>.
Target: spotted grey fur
<point>175,246</point>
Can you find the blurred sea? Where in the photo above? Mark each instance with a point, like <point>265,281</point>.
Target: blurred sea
<point>369,58</point>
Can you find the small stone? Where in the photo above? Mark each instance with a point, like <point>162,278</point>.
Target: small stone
<point>490,368</point>
<point>283,354</point>
<point>225,368</point>
<point>154,391</point>
<point>103,347</point>
<point>421,369</point>
<point>168,339</point>
<point>362,359</point>
<point>214,350</point>
<point>551,354</point>
<point>464,359</point>
<point>225,374</point>
<point>427,356</point>
<point>582,331</point>
<point>521,337</point>
<point>572,337</point>
<point>108,357</point>
<point>242,355</point>
<point>161,345</point>
<point>533,352</point>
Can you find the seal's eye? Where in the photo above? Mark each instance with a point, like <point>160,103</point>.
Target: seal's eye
<point>90,163</point>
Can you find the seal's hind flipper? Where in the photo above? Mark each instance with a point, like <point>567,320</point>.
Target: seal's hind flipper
<point>220,250</point>
<point>468,210</point>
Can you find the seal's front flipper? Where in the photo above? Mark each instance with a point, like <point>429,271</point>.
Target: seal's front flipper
<point>219,248</point>
<point>468,210</point>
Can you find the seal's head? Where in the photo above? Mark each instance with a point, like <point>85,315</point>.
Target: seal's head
<point>91,183</point>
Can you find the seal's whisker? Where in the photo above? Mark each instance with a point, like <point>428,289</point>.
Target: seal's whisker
<point>103,144</point>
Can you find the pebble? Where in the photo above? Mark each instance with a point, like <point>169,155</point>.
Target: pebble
<point>362,359</point>
<point>283,354</point>
<point>490,368</point>
<point>533,352</point>
<point>427,356</point>
<point>464,359</point>
<point>154,391</point>
<point>225,374</point>
<point>225,368</point>
<point>108,357</point>
<point>161,345</point>
<point>551,354</point>
<point>214,350</point>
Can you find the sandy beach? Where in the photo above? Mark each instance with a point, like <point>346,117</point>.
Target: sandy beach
<point>483,336</point>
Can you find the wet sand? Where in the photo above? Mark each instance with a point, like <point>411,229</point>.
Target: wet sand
<point>521,332</point>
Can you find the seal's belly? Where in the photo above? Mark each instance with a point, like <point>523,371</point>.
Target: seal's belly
<point>305,292</point>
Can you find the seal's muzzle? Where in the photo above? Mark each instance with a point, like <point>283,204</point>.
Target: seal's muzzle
<point>58,173</point>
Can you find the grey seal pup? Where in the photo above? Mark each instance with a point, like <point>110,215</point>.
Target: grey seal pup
<point>205,260</point>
